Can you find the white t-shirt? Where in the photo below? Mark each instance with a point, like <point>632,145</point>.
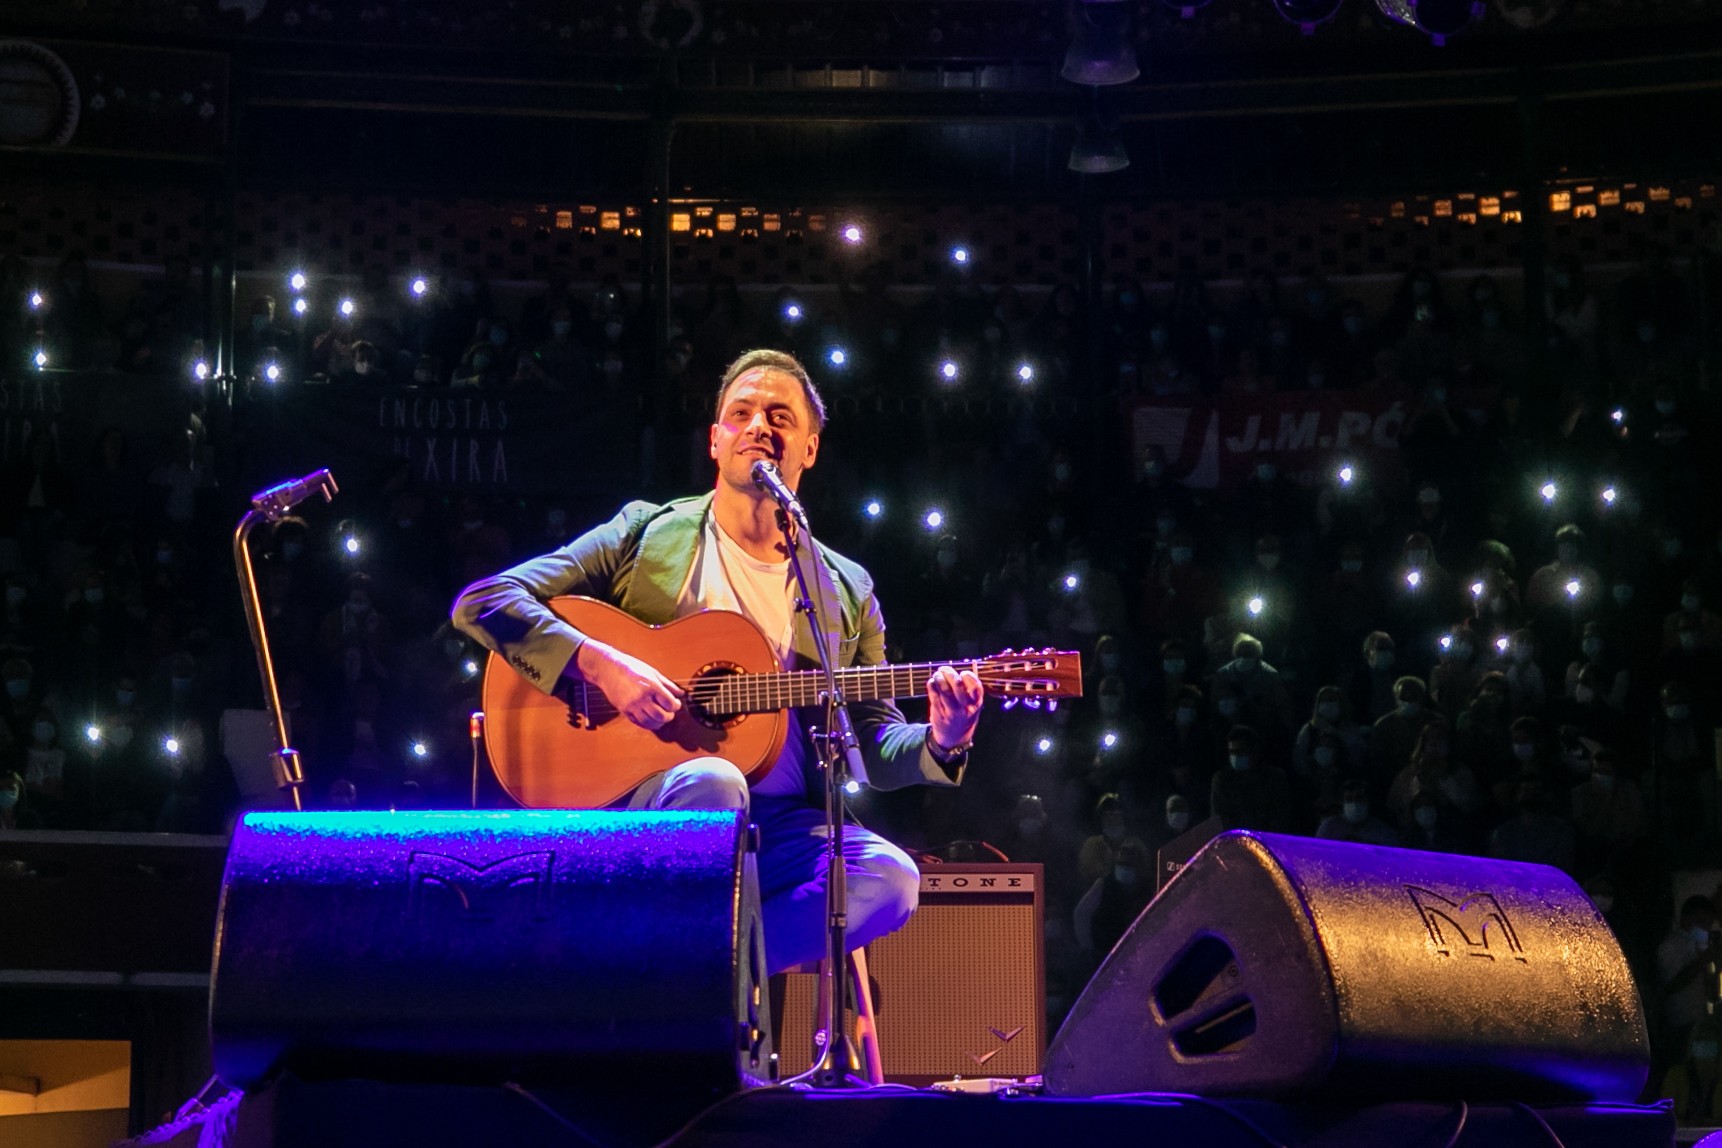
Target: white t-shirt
<point>726,577</point>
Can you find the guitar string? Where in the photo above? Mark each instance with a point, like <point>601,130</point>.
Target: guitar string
<point>762,689</point>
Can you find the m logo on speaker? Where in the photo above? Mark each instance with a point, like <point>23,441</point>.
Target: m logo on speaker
<point>480,890</point>
<point>1475,925</point>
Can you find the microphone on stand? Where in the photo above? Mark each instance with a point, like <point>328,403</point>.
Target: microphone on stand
<point>767,478</point>
<point>275,502</point>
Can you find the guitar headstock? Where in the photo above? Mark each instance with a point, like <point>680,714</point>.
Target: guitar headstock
<point>1032,677</point>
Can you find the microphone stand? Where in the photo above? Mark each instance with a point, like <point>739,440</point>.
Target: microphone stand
<point>271,506</point>
<point>839,756</point>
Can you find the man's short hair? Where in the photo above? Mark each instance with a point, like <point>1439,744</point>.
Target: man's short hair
<point>773,361</point>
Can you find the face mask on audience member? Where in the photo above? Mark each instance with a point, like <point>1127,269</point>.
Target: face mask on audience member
<point>1622,593</point>
<point>1524,750</point>
<point>1690,603</point>
<point>43,731</point>
<point>1185,715</point>
<point>1584,695</point>
<point>1689,640</point>
<point>1425,816</point>
<point>18,688</point>
<point>1700,936</point>
<point>1417,559</point>
<point>1181,555</point>
<point>1109,662</point>
<point>1604,781</point>
<point>1566,553</point>
<point>1381,661</point>
<point>1461,651</point>
<point>1522,652</point>
<point>1228,707</point>
<point>1268,559</point>
<point>1174,667</point>
<point>1410,708</point>
<point>1177,820</point>
<point>1324,756</point>
<point>1327,711</point>
<point>1592,648</point>
<point>1678,711</point>
<point>1111,705</point>
<point>1351,565</point>
<point>1030,826</point>
<point>1125,875</point>
<point>121,736</point>
<point>1356,812</point>
<point>1239,761</point>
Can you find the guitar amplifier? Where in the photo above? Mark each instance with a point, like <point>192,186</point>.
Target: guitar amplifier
<point>959,991</point>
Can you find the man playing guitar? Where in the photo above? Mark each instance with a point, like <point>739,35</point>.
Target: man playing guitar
<point>724,551</point>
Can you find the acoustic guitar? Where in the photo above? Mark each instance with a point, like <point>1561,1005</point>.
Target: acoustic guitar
<point>571,749</point>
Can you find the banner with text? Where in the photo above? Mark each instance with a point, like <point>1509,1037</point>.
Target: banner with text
<point>1305,434</point>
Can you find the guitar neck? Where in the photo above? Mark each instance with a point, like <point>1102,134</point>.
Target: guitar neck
<point>765,693</point>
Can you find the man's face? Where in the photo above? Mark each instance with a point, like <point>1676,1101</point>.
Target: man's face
<point>764,415</point>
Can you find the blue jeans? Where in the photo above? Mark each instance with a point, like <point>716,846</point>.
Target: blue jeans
<point>884,885</point>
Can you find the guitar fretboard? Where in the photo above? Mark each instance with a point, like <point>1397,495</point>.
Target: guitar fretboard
<point>764,693</point>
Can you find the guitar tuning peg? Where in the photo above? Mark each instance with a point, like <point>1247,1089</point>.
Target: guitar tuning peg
<point>1010,703</point>
<point>1033,703</point>
<point>1052,704</point>
<point>1007,650</point>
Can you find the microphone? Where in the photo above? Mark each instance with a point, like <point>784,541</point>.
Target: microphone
<point>275,502</point>
<point>767,478</point>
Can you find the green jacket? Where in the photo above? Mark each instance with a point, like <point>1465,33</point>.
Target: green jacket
<point>639,561</point>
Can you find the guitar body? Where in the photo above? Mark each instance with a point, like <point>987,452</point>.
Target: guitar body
<point>571,750</point>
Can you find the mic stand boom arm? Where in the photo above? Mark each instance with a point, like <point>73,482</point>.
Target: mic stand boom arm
<point>271,506</point>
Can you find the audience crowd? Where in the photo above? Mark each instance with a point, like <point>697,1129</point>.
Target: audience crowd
<point>1511,646</point>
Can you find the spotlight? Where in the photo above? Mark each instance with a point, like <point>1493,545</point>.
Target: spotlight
<point>351,545</point>
<point>93,733</point>
<point>300,305</point>
<point>1307,14</point>
<point>1346,474</point>
<point>1573,588</point>
<point>170,745</point>
<point>272,372</point>
<point>1255,606</point>
<point>837,357</point>
<point>1618,415</point>
<point>1503,644</point>
<point>1109,739</point>
<point>1477,589</point>
<point>1043,746</point>
<point>348,307</point>
<point>873,508</point>
<point>1100,51</point>
<point>469,669</point>
<point>40,358</point>
<point>933,519</point>
<point>1438,19</point>
<point>852,234</point>
<point>1414,578</point>
<point>420,285</point>
<point>948,370</point>
<point>792,311</point>
<point>36,301</point>
<point>1549,491</point>
<point>1072,583</point>
<point>297,281</point>
<point>1025,373</point>
<point>960,256</point>
<point>851,787</point>
<point>200,370</point>
<point>1446,641</point>
<point>420,750</point>
<point>1609,495</point>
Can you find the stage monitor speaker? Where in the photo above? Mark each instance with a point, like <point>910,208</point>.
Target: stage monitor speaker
<point>960,990</point>
<point>484,947</point>
<point>1295,967</point>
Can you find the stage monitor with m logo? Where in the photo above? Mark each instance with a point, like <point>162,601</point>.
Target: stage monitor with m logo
<point>1291,966</point>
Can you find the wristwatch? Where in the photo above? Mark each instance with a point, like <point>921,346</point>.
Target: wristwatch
<point>948,757</point>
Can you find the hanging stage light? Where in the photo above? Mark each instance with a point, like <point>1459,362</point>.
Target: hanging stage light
<point>1307,14</point>
<point>1439,19</point>
<point>1099,147</point>
<point>1100,50</point>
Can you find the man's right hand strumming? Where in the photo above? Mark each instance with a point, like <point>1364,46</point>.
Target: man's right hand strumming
<point>637,690</point>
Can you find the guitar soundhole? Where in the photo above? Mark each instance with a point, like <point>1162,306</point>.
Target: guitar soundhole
<point>710,673</point>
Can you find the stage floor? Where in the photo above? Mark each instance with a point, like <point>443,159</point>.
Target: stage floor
<point>363,1114</point>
